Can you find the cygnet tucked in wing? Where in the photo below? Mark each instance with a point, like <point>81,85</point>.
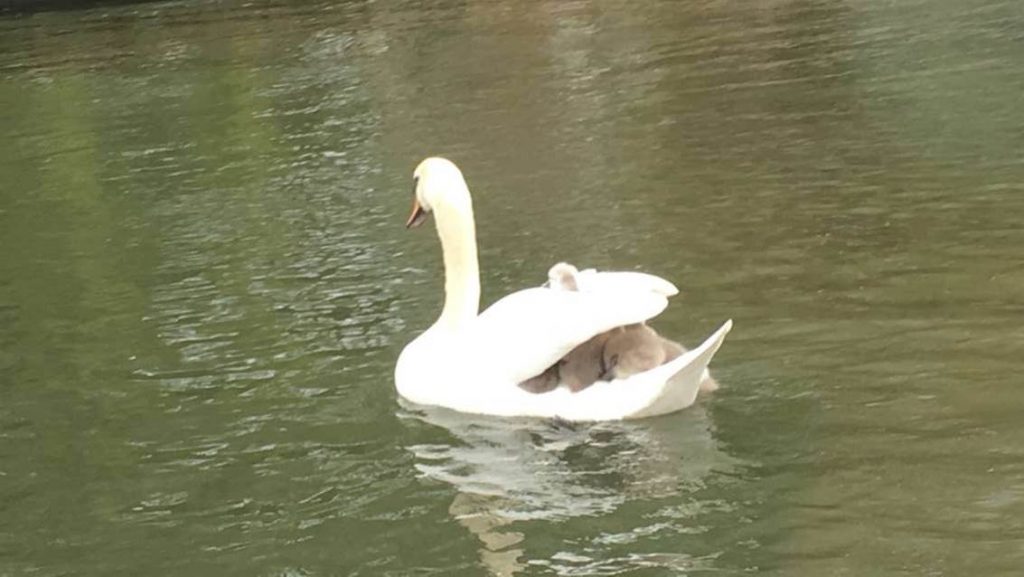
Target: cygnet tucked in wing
<point>562,276</point>
<point>616,354</point>
<point>582,366</point>
<point>632,349</point>
<point>544,382</point>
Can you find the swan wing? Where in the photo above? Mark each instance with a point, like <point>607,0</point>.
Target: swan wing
<point>591,280</point>
<point>526,332</point>
<point>664,389</point>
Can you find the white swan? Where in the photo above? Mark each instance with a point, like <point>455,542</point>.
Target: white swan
<point>472,362</point>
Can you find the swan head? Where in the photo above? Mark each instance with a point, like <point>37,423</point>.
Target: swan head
<point>437,183</point>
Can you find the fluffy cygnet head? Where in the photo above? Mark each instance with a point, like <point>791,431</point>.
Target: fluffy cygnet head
<point>562,276</point>
<point>437,182</point>
<point>633,349</point>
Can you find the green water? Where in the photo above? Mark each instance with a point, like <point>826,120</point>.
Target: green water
<point>205,282</point>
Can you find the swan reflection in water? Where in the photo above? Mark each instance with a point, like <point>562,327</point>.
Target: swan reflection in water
<point>511,470</point>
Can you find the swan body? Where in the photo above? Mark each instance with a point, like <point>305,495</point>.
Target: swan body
<point>473,362</point>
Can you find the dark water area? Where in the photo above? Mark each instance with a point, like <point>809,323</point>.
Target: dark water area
<point>27,7</point>
<point>205,282</point>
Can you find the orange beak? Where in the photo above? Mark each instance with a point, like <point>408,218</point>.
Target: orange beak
<point>418,215</point>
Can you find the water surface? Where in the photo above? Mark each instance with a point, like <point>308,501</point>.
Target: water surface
<point>204,285</point>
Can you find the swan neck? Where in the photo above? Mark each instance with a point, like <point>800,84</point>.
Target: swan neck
<point>461,267</point>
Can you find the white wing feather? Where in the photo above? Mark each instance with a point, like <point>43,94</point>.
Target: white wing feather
<point>529,330</point>
<point>590,280</point>
<point>664,389</point>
